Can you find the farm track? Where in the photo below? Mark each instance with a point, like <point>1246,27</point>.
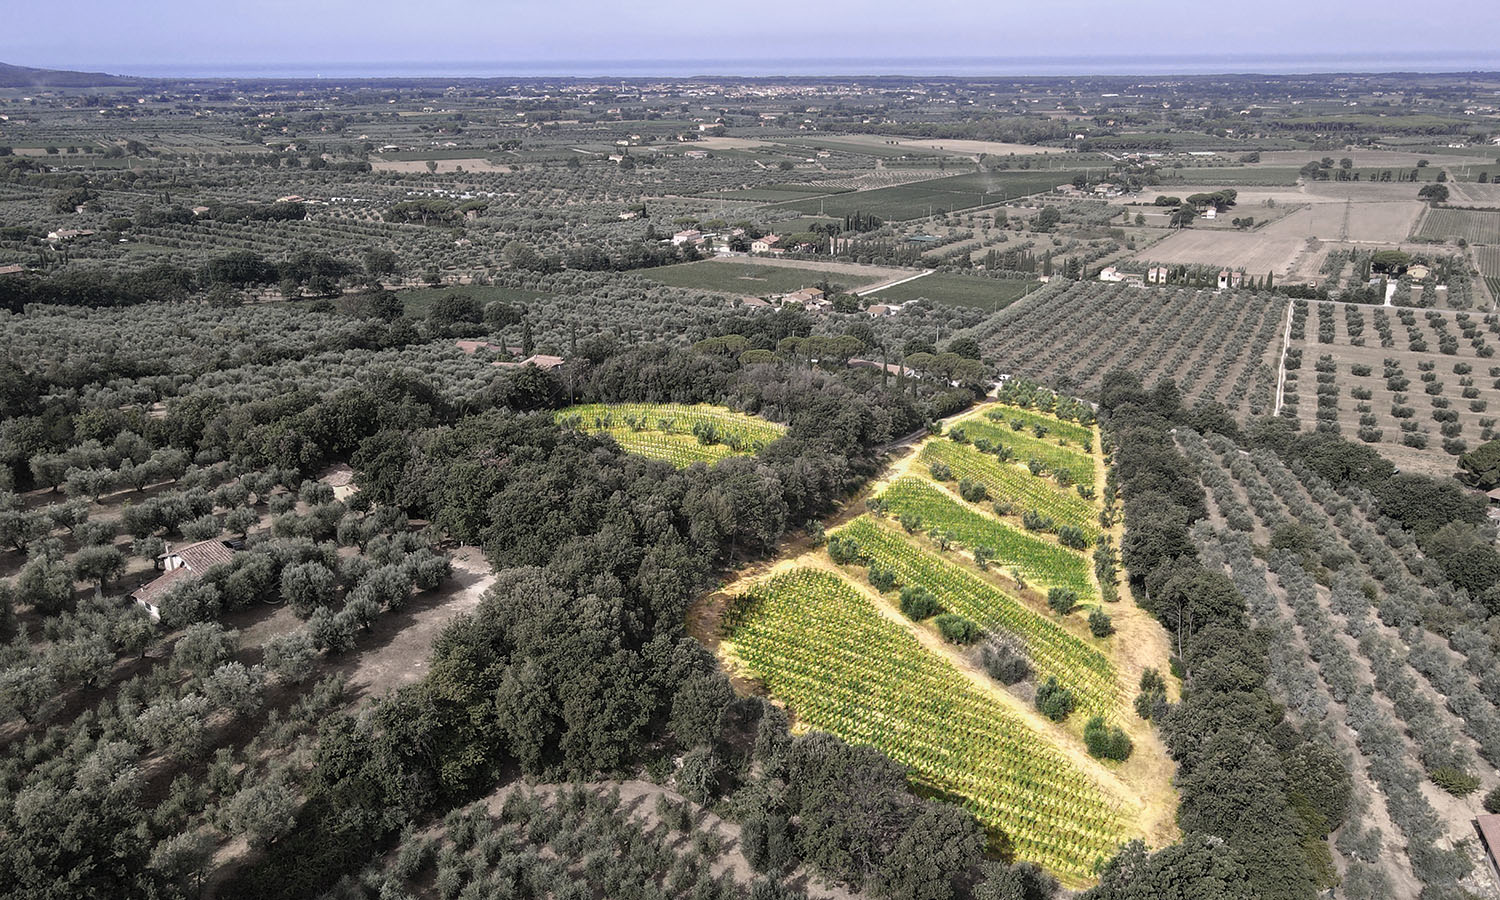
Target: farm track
<point>1286,343</point>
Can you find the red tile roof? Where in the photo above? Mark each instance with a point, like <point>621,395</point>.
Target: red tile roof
<point>203,554</point>
<point>1489,832</point>
<point>151,591</point>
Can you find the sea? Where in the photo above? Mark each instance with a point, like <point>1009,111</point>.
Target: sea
<point>949,66</point>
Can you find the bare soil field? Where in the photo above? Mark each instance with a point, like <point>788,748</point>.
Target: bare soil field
<point>1271,249</point>
<point>411,166</point>
<point>1363,221</point>
<point>1472,193</point>
<point>727,143</point>
<point>994,148</point>
<point>1361,191</point>
<point>399,648</point>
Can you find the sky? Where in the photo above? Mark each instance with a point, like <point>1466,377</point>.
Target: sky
<point>500,37</point>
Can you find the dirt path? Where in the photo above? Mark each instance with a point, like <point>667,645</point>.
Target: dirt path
<point>398,649</point>
<point>865,292</point>
<point>1286,343</point>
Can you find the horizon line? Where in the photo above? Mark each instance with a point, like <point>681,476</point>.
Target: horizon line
<point>1060,66</point>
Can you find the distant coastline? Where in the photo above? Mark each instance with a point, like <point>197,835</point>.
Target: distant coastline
<point>979,67</point>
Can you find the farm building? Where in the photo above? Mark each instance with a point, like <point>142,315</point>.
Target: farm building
<point>1488,827</point>
<point>540,360</point>
<point>178,566</point>
<point>890,368</point>
<point>1111,273</point>
<point>806,297</point>
<point>692,235</point>
<point>12,270</point>
<point>470,347</point>
<point>1157,275</point>
<point>765,244</point>
<point>67,234</point>
<point>1419,272</point>
<point>340,477</point>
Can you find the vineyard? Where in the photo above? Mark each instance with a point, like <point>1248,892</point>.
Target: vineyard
<point>923,506</point>
<point>816,642</point>
<point>1076,466</point>
<point>974,550</point>
<point>673,432</point>
<point>1054,651</point>
<point>1059,430</point>
<point>1488,259</point>
<point>1474,226</point>
<point>1027,492</point>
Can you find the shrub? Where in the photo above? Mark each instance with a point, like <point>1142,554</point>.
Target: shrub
<point>881,579</point>
<point>842,550</point>
<point>1062,600</point>
<point>1106,741</point>
<point>1035,521</point>
<point>1492,801</point>
<point>1072,536</point>
<point>917,603</point>
<point>1005,662</point>
<point>940,471</point>
<point>973,491</point>
<point>955,629</point>
<point>1455,781</point>
<point>1054,701</point>
<point>1100,624</point>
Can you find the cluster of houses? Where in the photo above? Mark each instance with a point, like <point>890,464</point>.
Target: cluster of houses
<point>815,300</point>
<point>1104,190</point>
<point>542,361</point>
<point>719,244</point>
<point>1228,279</point>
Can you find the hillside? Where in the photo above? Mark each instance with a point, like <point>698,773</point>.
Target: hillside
<point>26,76</point>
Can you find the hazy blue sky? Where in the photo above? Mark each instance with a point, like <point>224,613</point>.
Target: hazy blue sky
<point>343,36</point>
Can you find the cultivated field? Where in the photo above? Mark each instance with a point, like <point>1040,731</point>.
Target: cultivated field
<point>957,290</point>
<point>1367,159</point>
<point>764,277</point>
<point>939,195</point>
<point>1218,346</point>
<point>1416,403</point>
<point>1474,226</point>
<point>444,166</point>
<point>1470,193</point>
<point>672,432</point>
<point>881,637</point>
<point>1403,705</point>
